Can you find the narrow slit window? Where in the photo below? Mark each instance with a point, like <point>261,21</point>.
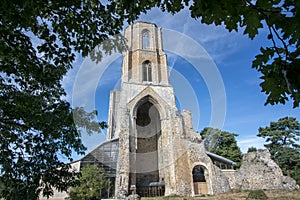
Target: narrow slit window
<point>147,71</point>
<point>146,39</point>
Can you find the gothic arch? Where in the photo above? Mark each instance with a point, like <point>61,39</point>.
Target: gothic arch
<point>145,39</point>
<point>147,98</point>
<point>147,69</point>
<point>199,174</point>
<point>148,94</point>
<point>144,143</point>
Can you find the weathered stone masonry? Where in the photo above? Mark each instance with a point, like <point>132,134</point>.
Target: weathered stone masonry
<point>152,147</point>
<point>156,143</point>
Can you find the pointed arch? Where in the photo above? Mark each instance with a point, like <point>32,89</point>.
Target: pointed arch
<point>144,100</point>
<point>144,142</point>
<point>147,71</point>
<point>145,39</point>
<point>148,94</point>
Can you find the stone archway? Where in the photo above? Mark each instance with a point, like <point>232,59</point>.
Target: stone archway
<point>145,146</point>
<point>199,180</point>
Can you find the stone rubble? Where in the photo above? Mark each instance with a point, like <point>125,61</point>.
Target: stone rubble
<point>259,171</point>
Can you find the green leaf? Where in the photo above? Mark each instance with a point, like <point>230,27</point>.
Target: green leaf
<point>252,21</point>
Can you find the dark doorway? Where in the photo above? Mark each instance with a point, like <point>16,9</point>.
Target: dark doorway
<point>200,186</point>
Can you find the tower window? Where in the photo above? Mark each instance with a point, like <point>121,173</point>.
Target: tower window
<point>146,39</point>
<point>147,71</point>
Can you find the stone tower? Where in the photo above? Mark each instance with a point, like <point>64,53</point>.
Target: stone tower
<point>157,145</point>
<point>153,149</point>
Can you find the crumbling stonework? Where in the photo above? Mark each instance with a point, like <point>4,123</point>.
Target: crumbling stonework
<point>216,181</point>
<point>157,144</point>
<point>259,171</point>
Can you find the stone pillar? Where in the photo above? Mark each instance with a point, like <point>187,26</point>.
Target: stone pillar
<point>123,165</point>
<point>123,168</point>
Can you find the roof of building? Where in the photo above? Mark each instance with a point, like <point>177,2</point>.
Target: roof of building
<point>220,158</point>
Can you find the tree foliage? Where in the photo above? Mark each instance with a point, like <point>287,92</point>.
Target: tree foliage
<point>251,149</point>
<point>81,25</point>
<point>38,42</point>
<point>282,140</point>
<point>93,183</point>
<point>278,63</point>
<point>32,147</point>
<point>222,143</point>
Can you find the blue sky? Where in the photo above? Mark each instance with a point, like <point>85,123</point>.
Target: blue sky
<point>232,53</point>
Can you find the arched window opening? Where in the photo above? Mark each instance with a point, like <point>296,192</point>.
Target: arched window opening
<point>147,71</point>
<point>146,39</point>
<point>145,175</point>
<point>198,174</point>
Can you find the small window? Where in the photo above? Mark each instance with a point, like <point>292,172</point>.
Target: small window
<point>147,71</point>
<point>146,39</point>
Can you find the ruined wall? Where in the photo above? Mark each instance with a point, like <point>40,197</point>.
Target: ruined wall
<point>259,171</point>
<point>183,178</point>
<point>220,182</point>
<point>192,143</point>
<point>112,113</point>
<point>217,182</point>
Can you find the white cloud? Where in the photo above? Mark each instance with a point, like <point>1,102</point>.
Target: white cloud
<point>69,78</point>
<point>216,40</point>
<point>243,118</point>
<point>87,79</point>
<point>251,141</point>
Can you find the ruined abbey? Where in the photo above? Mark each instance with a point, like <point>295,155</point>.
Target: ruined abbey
<point>150,147</point>
<point>157,146</point>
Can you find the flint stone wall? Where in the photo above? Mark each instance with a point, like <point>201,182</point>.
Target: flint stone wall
<point>259,171</point>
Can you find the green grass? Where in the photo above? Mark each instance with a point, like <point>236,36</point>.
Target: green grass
<point>257,194</point>
<point>239,195</point>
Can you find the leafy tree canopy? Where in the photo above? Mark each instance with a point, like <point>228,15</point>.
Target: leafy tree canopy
<point>81,25</point>
<point>222,143</point>
<point>282,140</point>
<point>92,183</point>
<point>32,146</point>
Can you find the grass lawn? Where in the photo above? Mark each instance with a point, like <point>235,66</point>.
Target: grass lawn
<point>239,195</point>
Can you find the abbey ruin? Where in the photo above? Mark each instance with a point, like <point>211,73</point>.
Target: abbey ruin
<point>151,148</point>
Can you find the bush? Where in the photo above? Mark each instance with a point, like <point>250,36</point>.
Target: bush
<point>93,184</point>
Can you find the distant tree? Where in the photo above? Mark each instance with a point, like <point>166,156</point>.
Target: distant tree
<point>222,143</point>
<point>251,149</point>
<point>282,140</point>
<point>211,137</point>
<point>93,183</point>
